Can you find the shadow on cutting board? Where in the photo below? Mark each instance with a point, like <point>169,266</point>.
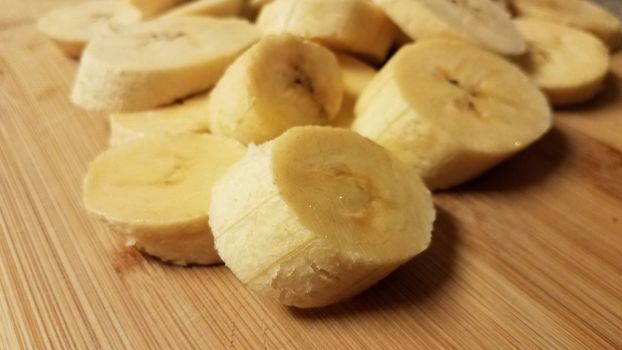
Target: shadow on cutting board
<point>413,283</point>
<point>528,168</point>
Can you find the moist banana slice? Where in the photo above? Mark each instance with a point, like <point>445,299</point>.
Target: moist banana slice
<point>72,26</point>
<point>354,26</point>
<point>154,63</point>
<point>318,215</point>
<point>186,117</point>
<point>355,75</point>
<point>451,110</point>
<point>582,14</point>
<point>280,82</point>
<point>570,65</point>
<point>155,191</point>
<point>216,8</point>
<point>480,21</point>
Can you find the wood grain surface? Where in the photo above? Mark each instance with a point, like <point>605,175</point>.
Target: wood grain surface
<point>528,256</point>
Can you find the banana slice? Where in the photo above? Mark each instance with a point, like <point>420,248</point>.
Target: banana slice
<point>280,82</point>
<point>355,75</point>
<point>354,26</point>
<point>570,65</point>
<point>71,27</point>
<point>480,21</point>
<point>318,215</point>
<point>152,8</point>
<point>155,191</point>
<point>582,14</point>
<point>451,110</point>
<point>216,8</point>
<point>186,117</point>
<point>154,63</point>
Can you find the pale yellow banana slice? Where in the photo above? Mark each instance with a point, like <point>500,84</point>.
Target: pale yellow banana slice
<point>155,192</point>
<point>280,82</point>
<point>582,14</point>
<point>318,215</point>
<point>570,65</point>
<point>451,110</point>
<point>480,21</point>
<point>216,8</point>
<point>152,8</point>
<point>186,117</point>
<point>354,26</point>
<point>154,63</point>
<point>71,27</point>
<point>355,75</point>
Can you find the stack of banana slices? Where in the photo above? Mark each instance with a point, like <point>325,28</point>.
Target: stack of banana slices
<point>299,140</point>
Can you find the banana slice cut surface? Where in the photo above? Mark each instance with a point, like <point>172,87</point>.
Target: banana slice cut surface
<point>156,190</point>
<point>480,21</point>
<point>317,215</point>
<point>154,63</point>
<point>570,65</point>
<point>451,110</point>
<point>71,27</point>
<point>281,82</point>
<point>188,116</point>
<point>354,26</point>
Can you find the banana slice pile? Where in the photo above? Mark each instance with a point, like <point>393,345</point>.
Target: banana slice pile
<point>297,141</point>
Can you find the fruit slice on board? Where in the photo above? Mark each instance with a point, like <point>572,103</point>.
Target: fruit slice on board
<point>155,192</point>
<point>451,110</point>
<point>317,215</point>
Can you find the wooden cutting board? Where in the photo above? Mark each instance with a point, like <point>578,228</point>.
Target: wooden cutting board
<point>528,256</point>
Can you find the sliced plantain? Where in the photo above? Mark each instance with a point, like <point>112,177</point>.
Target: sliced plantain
<point>317,215</point>
<point>355,75</point>
<point>480,21</point>
<point>582,14</point>
<point>354,26</point>
<point>72,26</point>
<point>154,63</point>
<point>451,110</point>
<point>155,191</point>
<point>216,8</point>
<point>280,82</point>
<point>570,65</point>
<point>186,117</point>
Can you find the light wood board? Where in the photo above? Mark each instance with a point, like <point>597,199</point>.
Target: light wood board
<point>528,256</point>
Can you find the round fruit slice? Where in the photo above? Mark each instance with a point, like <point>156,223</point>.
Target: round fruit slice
<point>154,191</point>
<point>71,27</point>
<point>280,82</point>
<point>582,14</point>
<point>480,21</point>
<point>570,65</point>
<point>451,110</point>
<point>318,215</point>
<point>355,26</point>
<point>154,63</point>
